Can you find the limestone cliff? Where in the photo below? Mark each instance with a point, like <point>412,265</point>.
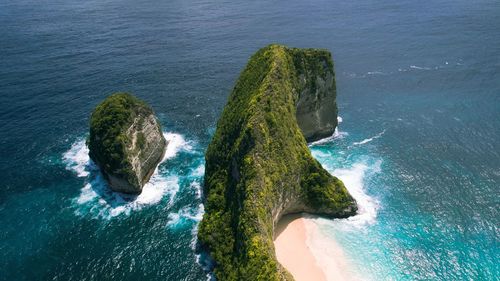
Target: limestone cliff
<point>316,105</point>
<point>126,142</point>
<point>258,165</point>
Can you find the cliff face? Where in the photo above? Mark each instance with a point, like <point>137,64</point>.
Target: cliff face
<point>126,142</point>
<point>258,165</point>
<point>316,105</point>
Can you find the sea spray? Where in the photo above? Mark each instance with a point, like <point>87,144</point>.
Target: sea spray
<point>353,179</point>
<point>97,200</point>
<point>175,143</point>
<point>77,159</point>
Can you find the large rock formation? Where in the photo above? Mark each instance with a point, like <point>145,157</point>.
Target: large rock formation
<point>258,165</point>
<point>126,142</point>
<point>316,105</point>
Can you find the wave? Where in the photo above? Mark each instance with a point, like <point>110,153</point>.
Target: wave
<point>367,74</point>
<point>419,67</point>
<point>337,134</point>
<point>207,264</point>
<point>185,216</point>
<point>354,179</point>
<point>191,216</point>
<point>369,139</point>
<point>176,143</point>
<point>98,200</point>
<point>322,233</point>
<point>199,171</point>
<point>197,189</point>
<point>376,73</point>
<point>77,159</point>
<point>446,64</point>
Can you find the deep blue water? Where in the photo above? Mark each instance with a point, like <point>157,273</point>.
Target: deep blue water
<point>418,89</point>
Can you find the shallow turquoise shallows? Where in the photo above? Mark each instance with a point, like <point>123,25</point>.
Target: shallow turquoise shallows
<point>419,143</point>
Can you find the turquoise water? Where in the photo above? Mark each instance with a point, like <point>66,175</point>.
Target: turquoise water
<point>418,91</point>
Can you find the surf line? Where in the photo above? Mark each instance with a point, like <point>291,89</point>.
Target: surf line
<point>97,200</point>
<point>369,139</point>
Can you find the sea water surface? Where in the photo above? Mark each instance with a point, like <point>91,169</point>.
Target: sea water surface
<point>419,146</point>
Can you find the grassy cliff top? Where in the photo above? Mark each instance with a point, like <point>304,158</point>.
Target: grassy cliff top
<point>258,166</point>
<point>108,125</point>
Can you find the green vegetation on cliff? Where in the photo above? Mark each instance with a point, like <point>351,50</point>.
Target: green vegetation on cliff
<point>108,137</point>
<point>258,166</point>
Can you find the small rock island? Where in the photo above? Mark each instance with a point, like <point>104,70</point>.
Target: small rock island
<point>258,165</point>
<point>126,142</point>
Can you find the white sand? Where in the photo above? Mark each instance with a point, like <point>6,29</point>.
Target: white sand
<point>307,254</point>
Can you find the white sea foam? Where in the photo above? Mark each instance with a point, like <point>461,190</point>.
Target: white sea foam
<point>376,73</point>
<point>318,154</point>
<point>354,179</point>
<point>207,263</point>
<point>98,200</point>
<point>199,171</point>
<point>321,240</point>
<point>77,159</point>
<point>369,139</point>
<point>419,67</point>
<point>176,143</point>
<point>185,215</point>
<point>197,188</point>
<point>336,135</point>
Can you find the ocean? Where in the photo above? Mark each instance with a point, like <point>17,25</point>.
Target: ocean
<point>418,86</point>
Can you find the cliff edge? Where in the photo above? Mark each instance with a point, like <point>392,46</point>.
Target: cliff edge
<point>126,142</point>
<point>258,165</point>
<point>317,95</point>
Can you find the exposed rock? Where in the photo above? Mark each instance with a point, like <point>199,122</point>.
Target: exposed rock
<point>316,106</point>
<point>258,165</point>
<point>126,142</point>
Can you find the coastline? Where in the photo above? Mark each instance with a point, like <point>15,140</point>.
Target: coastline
<point>306,253</point>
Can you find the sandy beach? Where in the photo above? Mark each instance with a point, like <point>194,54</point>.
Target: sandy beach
<point>306,254</point>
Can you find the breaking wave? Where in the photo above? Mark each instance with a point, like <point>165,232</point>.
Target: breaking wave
<point>185,216</point>
<point>419,67</point>
<point>98,200</point>
<point>369,139</point>
<point>337,134</point>
<point>354,179</point>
